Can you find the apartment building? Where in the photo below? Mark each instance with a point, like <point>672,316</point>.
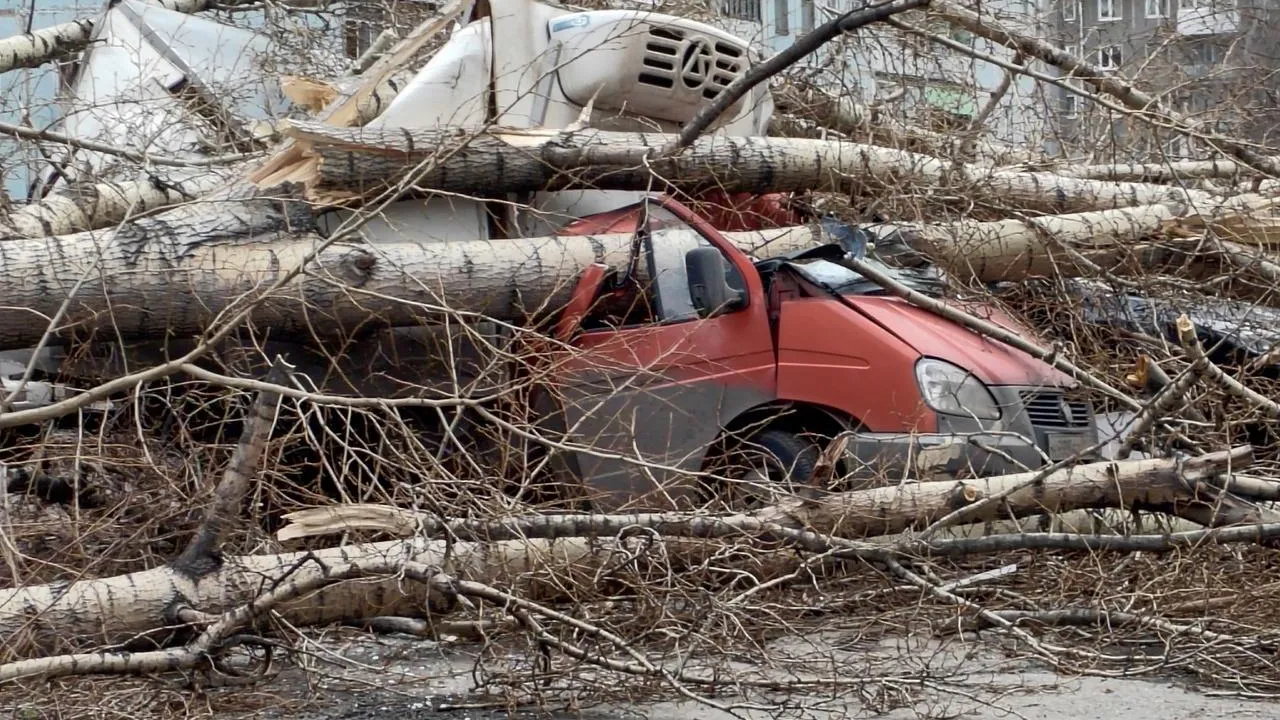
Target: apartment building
<point>940,86</point>
<point>1217,61</point>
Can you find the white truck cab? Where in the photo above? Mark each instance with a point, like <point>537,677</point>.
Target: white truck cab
<point>636,70</point>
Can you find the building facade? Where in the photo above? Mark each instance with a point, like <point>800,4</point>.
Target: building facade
<point>939,86</point>
<point>1215,61</point>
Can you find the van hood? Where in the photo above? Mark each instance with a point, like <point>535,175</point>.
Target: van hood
<point>992,361</point>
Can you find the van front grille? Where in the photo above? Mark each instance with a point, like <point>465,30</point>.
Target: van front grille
<point>1049,409</point>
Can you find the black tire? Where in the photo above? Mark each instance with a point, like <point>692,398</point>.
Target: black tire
<point>785,459</point>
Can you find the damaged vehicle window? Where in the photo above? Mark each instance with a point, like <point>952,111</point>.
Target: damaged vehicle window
<point>845,281</point>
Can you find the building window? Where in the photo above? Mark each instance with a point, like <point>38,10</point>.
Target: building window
<point>781,17</point>
<point>1069,10</point>
<point>1108,9</point>
<point>1157,8</point>
<point>1109,57</point>
<point>1205,54</point>
<point>806,15</point>
<point>1070,106</point>
<point>748,10</point>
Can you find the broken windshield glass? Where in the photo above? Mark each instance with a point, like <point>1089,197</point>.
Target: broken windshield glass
<point>843,280</point>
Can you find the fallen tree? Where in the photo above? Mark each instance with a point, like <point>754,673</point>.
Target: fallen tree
<point>174,273</point>
<point>544,554</point>
<point>1075,244</point>
<point>92,206</point>
<point>345,163</point>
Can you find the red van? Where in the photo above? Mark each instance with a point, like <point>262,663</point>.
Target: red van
<point>697,361</point>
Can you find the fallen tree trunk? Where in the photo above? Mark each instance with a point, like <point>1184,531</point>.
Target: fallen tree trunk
<point>1160,172</point>
<point>545,555</point>
<point>1065,245</point>
<point>350,162</point>
<point>173,273</point>
<point>89,207</point>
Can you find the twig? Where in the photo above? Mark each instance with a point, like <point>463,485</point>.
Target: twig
<point>30,133</point>
<point>993,102</point>
<point>1114,618</point>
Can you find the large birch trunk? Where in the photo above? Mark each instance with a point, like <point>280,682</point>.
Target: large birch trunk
<point>89,207</point>
<point>45,45</point>
<point>1065,245</point>
<point>172,274</point>
<point>348,162</point>
<point>544,555</point>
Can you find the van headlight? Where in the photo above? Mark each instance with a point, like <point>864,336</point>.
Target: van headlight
<point>953,390</point>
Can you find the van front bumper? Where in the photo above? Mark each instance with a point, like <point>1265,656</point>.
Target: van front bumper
<point>1027,437</point>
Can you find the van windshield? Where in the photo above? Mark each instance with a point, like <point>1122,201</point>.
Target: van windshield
<point>845,281</point>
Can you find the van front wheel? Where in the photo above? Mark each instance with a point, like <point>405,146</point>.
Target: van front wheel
<point>769,467</point>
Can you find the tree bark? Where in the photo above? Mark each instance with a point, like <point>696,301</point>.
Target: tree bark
<point>352,162</point>
<point>1160,172</point>
<point>45,45</point>
<point>543,555</point>
<point>89,207</point>
<point>1056,245</point>
<point>171,274</point>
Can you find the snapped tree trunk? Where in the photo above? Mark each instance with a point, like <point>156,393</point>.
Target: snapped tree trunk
<point>173,273</point>
<point>349,162</point>
<point>542,555</point>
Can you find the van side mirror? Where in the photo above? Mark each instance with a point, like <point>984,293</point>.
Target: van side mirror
<point>707,288</point>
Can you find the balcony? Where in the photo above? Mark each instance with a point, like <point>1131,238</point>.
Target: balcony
<point>1207,17</point>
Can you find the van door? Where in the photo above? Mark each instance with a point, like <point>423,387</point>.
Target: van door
<point>650,383</point>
